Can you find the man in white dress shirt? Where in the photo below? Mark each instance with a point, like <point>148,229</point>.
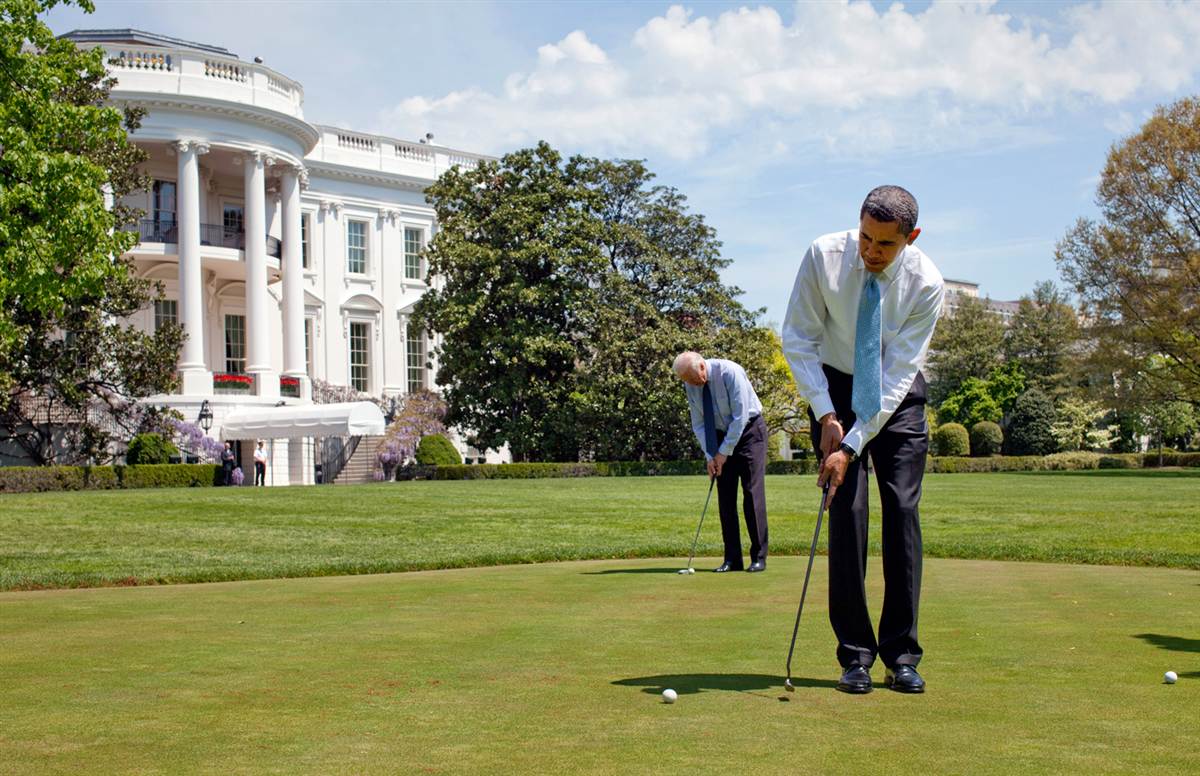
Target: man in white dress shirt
<point>857,330</point>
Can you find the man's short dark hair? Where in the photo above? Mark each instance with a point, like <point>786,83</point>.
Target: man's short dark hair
<point>891,204</point>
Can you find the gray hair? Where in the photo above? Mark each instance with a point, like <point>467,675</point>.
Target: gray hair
<point>891,204</point>
<point>686,362</point>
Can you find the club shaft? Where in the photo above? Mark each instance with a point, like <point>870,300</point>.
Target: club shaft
<point>712,481</point>
<point>808,572</point>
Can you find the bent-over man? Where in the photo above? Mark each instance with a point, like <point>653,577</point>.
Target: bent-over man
<point>727,420</point>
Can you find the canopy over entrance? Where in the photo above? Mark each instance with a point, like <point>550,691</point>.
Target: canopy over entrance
<point>356,418</point>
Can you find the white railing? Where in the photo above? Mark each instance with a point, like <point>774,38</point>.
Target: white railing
<point>356,142</point>
<point>413,153</point>
<point>364,151</point>
<point>227,70</point>
<point>134,59</point>
<point>200,74</point>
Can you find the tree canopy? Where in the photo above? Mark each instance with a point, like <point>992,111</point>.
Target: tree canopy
<point>1137,269</point>
<point>565,287</point>
<point>70,365</point>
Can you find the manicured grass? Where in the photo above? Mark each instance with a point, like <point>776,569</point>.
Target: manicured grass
<point>211,534</point>
<point>557,668</point>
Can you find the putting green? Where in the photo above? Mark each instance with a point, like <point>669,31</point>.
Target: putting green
<point>557,668</point>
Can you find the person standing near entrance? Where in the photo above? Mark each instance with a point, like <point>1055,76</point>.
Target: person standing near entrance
<point>260,465</point>
<point>728,423</point>
<point>856,333</point>
<point>227,461</point>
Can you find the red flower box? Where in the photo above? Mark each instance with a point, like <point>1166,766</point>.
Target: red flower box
<point>232,382</point>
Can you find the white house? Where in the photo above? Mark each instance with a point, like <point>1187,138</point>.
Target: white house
<point>289,251</point>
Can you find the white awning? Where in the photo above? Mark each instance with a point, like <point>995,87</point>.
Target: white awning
<point>356,418</point>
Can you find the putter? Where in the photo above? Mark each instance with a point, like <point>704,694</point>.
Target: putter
<point>689,570</point>
<point>787,683</point>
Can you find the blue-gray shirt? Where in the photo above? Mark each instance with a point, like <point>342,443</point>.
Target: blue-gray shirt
<point>735,403</point>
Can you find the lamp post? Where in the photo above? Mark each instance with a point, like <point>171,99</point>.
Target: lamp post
<point>206,416</point>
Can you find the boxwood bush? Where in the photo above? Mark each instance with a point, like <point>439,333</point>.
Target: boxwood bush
<point>951,439</point>
<point>437,450</point>
<point>986,438</point>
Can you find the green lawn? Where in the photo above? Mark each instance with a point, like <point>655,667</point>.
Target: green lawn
<point>1038,668</point>
<point>557,668</point>
<point>210,534</point>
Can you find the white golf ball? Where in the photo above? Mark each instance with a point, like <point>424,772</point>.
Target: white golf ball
<point>669,695</point>
<point>1170,677</point>
<point>691,571</point>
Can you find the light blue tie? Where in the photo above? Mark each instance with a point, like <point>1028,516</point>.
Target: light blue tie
<point>867,396</point>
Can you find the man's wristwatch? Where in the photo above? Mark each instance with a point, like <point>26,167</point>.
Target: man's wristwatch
<point>851,456</point>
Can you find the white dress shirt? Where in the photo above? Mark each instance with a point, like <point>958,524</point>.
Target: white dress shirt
<point>735,403</point>
<point>823,314</point>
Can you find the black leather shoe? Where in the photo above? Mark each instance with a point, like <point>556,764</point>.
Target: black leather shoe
<point>856,680</point>
<point>758,565</point>
<point>726,566</point>
<point>904,679</point>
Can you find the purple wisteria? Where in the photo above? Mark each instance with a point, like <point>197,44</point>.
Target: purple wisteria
<point>191,438</point>
<point>422,413</point>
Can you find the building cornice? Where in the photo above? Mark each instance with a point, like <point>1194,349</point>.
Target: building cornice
<point>306,134</point>
<point>327,169</point>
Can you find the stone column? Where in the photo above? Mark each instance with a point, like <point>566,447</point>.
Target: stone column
<point>258,341</point>
<point>293,282</point>
<point>195,376</point>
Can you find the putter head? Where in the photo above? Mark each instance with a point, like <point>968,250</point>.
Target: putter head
<point>787,684</point>
<point>682,571</point>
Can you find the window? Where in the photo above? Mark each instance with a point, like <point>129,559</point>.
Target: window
<point>165,311</point>
<point>235,344</point>
<point>416,361</point>
<point>356,247</point>
<point>163,205</point>
<point>360,375</point>
<point>304,240</point>
<point>413,243</point>
<point>308,338</point>
<point>234,224</point>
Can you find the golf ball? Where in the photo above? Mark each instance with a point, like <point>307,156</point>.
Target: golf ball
<point>669,695</point>
<point>1170,677</point>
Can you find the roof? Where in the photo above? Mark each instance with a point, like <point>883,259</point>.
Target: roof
<point>355,418</point>
<point>142,38</point>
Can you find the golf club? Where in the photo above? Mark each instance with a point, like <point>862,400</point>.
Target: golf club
<point>804,590</point>
<point>689,570</point>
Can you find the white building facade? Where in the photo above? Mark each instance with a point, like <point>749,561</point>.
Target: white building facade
<point>288,251</point>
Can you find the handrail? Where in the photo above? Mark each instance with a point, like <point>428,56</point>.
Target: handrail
<point>217,235</point>
<point>335,454</point>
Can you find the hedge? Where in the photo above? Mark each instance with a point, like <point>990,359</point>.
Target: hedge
<point>437,450</point>
<point>33,479</point>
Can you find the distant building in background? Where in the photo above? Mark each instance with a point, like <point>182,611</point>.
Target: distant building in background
<point>957,289</point>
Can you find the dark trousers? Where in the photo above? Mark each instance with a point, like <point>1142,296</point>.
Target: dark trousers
<point>227,469</point>
<point>747,464</point>
<point>898,457</point>
<point>260,473</point>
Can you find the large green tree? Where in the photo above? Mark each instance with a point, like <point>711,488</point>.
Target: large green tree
<point>69,367</point>
<point>565,289</point>
<point>1137,269</point>
<point>966,344</point>
<point>1044,338</point>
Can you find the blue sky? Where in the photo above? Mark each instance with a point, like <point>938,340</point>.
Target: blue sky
<point>773,118</point>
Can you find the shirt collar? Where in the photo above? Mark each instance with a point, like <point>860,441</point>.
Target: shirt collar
<point>889,272</point>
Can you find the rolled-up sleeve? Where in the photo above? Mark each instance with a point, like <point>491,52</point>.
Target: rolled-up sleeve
<point>803,326</point>
<point>902,359</point>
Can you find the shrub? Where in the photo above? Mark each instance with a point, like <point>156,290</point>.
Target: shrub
<point>1121,461</point>
<point>178,475</point>
<point>951,439</point>
<point>795,466</point>
<point>149,448</point>
<point>1030,431</point>
<point>986,438</point>
<point>437,450</point>
<point>1073,461</point>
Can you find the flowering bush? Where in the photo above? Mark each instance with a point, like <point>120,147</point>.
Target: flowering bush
<point>421,414</point>
<point>237,478</point>
<point>191,438</point>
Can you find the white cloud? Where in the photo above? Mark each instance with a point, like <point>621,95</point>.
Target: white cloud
<point>841,78</point>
